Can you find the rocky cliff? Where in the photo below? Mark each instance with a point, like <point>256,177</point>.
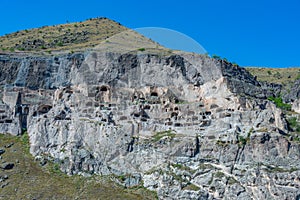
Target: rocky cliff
<point>184,125</point>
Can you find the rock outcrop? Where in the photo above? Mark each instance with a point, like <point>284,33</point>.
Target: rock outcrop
<point>184,125</point>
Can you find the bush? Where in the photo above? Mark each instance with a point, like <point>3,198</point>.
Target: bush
<point>294,124</point>
<point>160,135</point>
<point>277,75</point>
<point>216,57</point>
<point>279,103</point>
<point>235,64</point>
<point>60,44</point>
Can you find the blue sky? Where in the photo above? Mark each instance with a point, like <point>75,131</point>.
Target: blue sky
<point>250,33</point>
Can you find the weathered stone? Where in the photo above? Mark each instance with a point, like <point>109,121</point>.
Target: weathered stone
<point>9,145</point>
<point>7,166</point>
<point>2,151</point>
<point>185,125</point>
<point>4,185</point>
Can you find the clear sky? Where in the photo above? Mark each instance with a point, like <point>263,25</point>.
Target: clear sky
<point>250,33</point>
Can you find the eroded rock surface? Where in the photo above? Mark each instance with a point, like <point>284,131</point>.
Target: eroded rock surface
<point>184,125</point>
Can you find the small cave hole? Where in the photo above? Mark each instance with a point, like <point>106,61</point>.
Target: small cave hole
<point>103,89</point>
<point>154,94</point>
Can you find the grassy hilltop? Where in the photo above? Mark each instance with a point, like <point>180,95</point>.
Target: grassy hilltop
<point>70,36</point>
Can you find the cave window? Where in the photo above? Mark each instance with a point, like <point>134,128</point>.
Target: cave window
<point>154,94</point>
<point>26,110</point>
<point>174,114</point>
<point>207,113</point>
<point>103,89</point>
<point>19,109</point>
<point>143,119</point>
<point>8,121</point>
<point>136,115</point>
<point>177,124</point>
<point>147,107</point>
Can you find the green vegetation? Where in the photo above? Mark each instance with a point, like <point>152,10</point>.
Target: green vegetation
<point>184,168</point>
<point>29,180</point>
<point>231,181</point>
<point>294,124</point>
<point>206,166</point>
<point>24,139</point>
<point>60,44</point>
<point>159,135</point>
<point>279,103</point>
<point>216,57</point>
<point>235,64</point>
<point>276,169</point>
<point>141,49</point>
<point>243,141</point>
<point>121,178</point>
<point>191,186</point>
<point>224,59</point>
<point>219,175</point>
<point>180,166</point>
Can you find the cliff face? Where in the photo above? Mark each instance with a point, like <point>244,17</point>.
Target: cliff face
<point>184,125</point>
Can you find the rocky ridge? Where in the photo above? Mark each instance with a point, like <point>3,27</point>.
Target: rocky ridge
<point>184,125</point>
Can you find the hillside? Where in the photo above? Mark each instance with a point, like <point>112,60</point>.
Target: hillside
<point>283,76</point>
<point>125,109</point>
<point>71,36</point>
<point>40,179</point>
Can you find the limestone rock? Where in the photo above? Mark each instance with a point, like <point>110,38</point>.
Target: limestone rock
<point>184,125</point>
